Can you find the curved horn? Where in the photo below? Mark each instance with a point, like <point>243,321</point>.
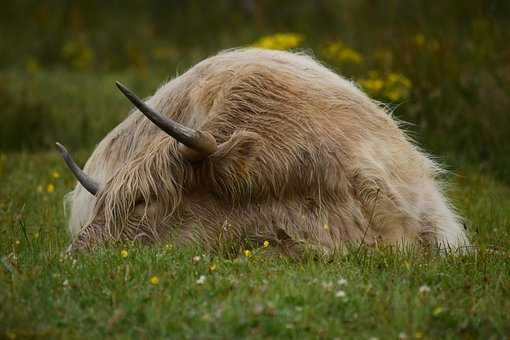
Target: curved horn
<point>201,143</point>
<point>87,182</point>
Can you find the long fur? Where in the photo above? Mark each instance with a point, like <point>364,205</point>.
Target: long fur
<point>305,158</point>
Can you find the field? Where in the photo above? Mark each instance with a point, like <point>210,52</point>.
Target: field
<point>443,68</point>
<point>159,292</point>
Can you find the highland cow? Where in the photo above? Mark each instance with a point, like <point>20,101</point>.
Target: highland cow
<point>253,145</point>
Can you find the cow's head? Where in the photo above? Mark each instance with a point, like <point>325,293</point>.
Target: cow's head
<point>144,197</point>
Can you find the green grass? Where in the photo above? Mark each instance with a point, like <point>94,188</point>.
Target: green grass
<point>75,108</point>
<point>101,294</point>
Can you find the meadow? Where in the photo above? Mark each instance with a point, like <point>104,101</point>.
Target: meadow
<point>164,291</point>
<point>442,68</point>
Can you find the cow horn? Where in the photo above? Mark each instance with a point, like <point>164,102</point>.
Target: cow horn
<point>85,180</point>
<point>202,144</point>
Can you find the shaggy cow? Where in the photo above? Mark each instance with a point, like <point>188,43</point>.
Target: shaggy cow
<point>252,145</point>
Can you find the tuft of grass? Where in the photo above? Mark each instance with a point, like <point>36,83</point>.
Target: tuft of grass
<point>369,293</point>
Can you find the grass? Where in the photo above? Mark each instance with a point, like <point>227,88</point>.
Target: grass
<point>44,293</point>
<point>75,108</point>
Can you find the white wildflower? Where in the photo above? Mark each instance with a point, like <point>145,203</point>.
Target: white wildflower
<point>342,282</point>
<point>201,280</point>
<point>340,294</point>
<point>424,289</point>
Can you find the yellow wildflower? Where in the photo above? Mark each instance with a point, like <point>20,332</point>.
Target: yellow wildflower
<point>348,55</point>
<point>50,188</point>
<point>394,95</point>
<point>154,280</point>
<point>438,310</point>
<point>266,243</point>
<point>55,174</point>
<point>341,53</point>
<point>373,74</point>
<point>78,54</point>
<point>393,86</point>
<point>124,253</point>
<point>397,87</point>
<point>248,253</point>
<point>279,41</point>
<point>332,48</point>
<point>419,40</point>
<point>372,85</point>
<point>429,43</point>
<point>395,78</point>
<point>213,267</point>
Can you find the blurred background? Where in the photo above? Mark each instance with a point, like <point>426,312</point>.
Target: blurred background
<point>442,66</point>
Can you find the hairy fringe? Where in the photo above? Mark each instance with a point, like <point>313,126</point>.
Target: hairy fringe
<point>157,175</point>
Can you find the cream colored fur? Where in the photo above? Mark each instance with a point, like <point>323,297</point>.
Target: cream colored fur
<point>305,158</point>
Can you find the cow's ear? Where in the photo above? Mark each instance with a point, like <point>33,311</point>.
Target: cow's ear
<point>238,151</point>
<point>234,161</point>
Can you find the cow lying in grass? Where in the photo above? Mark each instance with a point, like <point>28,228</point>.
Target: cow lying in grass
<point>252,145</point>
